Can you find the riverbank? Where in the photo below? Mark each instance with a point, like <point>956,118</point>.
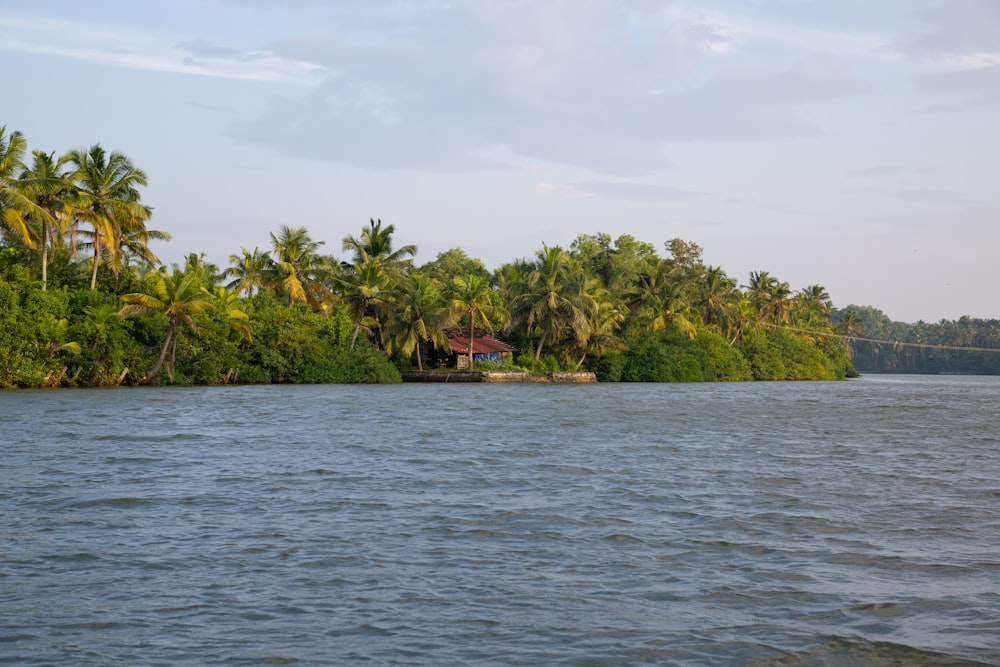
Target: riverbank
<point>497,376</point>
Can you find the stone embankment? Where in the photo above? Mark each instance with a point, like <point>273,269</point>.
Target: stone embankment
<point>497,376</point>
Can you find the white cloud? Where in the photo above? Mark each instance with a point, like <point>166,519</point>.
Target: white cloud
<point>737,32</point>
<point>128,47</point>
<point>585,84</point>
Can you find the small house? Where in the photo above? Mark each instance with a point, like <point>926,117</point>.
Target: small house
<point>484,348</point>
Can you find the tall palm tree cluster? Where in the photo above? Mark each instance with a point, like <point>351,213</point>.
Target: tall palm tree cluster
<point>562,304</point>
<point>589,299</point>
<point>86,200</point>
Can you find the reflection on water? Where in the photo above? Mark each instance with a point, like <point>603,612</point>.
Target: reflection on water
<point>796,524</point>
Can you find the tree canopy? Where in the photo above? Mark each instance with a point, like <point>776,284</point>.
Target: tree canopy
<point>613,306</point>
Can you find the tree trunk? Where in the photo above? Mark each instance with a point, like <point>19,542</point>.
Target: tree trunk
<point>45,254</point>
<point>163,354</point>
<point>357,326</point>
<point>93,274</point>
<point>472,333</point>
<point>173,357</point>
<point>538,350</point>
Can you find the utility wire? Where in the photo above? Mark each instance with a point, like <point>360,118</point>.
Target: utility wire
<point>894,343</point>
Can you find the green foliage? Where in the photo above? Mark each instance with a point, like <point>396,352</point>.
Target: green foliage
<point>210,357</point>
<point>617,265</point>
<point>453,263</point>
<point>651,358</point>
<point>780,354</point>
<point>286,340</point>
<point>545,364</point>
<point>73,241</point>
<point>928,351</point>
<point>109,348</point>
<point>607,367</point>
<point>720,361</point>
<point>365,364</point>
<point>764,358</point>
<point>35,349</point>
<point>299,346</point>
<point>501,366</point>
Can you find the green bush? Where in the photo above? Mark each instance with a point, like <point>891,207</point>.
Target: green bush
<point>720,360</point>
<point>35,348</point>
<point>607,367</point>
<point>653,359</point>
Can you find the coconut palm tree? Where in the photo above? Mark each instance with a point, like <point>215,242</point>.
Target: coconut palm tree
<point>179,296</point>
<point>601,334</point>
<point>226,303</point>
<point>852,326</point>
<point>108,200</point>
<point>50,188</point>
<point>770,296</point>
<point>418,313</point>
<point>15,206</point>
<point>555,299</point>
<point>375,244</point>
<point>813,298</point>
<point>195,263</point>
<point>744,319</point>
<point>716,293</point>
<point>363,286</point>
<point>133,251</point>
<point>299,271</point>
<point>657,302</point>
<point>250,271</point>
<point>473,296</point>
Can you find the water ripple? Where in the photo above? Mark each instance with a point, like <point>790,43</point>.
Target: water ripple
<point>746,524</point>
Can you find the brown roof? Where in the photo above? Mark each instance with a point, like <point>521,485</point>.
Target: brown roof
<point>483,343</point>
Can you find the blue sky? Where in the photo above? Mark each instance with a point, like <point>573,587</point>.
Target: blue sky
<point>853,144</point>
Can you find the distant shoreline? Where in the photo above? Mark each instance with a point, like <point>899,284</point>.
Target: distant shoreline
<point>497,377</point>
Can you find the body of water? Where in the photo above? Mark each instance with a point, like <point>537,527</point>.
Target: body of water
<point>712,524</point>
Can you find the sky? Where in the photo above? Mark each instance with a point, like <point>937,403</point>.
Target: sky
<point>851,144</point>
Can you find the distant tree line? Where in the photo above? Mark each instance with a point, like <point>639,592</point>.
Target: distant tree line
<point>85,302</point>
<point>898,347</point>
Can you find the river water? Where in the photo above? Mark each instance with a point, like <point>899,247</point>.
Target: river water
<point>711,524</point>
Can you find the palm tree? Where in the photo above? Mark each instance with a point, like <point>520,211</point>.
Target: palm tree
<point>813,298</point>
<point>363,286</point>
<point>419,313</point>
<point>178,296</point>
<point>770,296</point>
<point>49,188</point>
<point>133,251</point>
<point>744,318</point>
<point>375,244</point>
<point>195,263</point>
<point>601,333</point>
<point>473,296</point>
<point>657,302</point>
<point>108,200</point>
<point>852,326</point>
<point>15,206</point>
<point>511,279</point>
<point>226,304</point>
<point>250,271</point>
<point>102,322</point>
<point>715,296</point>
<point>298,269</point>
<point>555,299</point>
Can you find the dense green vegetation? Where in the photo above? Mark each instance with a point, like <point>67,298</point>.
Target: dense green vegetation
<point>85,302</point>
<point>897,347</point>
